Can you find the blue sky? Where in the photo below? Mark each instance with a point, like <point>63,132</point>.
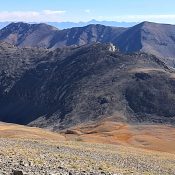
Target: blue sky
<point>85,10</point>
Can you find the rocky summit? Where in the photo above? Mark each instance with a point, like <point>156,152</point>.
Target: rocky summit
<point>61,88</point>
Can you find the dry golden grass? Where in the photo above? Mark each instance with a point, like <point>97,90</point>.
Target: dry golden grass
<point>152,137</point>
<point>23,132</point>
<point>124,154</point>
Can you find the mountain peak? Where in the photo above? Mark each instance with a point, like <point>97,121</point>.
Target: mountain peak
<point>16,26</point>
<point>27,35</point>
<point>44,25</point>
<point>18,23</point>
<point>147,22</point>
<point>143,24</point>
<point>24,26</point>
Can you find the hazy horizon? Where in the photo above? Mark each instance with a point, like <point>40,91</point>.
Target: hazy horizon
<point>78,11</point>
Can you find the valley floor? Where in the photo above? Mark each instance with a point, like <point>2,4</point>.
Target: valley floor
<point>37,151</point>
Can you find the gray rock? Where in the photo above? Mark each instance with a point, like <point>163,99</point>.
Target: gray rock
<point>17,172</point>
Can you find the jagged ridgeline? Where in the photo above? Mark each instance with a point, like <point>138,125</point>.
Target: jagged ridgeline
<point>151,38</point>
<point>68,86</point>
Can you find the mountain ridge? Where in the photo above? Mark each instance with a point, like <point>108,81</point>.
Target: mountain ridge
<point>43,35</point>
<point>64,87</point>
<point>66,25</point>
<point>152,38</point>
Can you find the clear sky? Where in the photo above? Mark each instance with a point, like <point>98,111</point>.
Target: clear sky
<point>85,10</point>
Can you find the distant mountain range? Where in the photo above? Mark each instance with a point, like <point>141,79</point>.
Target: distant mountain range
<point>66,25</point>
<point>151,38</point>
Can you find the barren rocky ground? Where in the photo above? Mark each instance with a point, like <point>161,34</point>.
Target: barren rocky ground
<point>50,154</point>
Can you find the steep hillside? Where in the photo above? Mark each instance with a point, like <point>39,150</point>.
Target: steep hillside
<point>69,86</point>
<point>14,62</point>
<point>152,38</point>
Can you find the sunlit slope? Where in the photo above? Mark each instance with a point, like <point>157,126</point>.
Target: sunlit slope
<point>152,137</point>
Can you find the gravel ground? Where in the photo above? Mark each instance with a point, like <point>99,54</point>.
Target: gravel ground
<point>53,158</point>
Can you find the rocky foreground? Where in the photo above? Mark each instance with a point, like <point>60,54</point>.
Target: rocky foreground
<point>33,156</point>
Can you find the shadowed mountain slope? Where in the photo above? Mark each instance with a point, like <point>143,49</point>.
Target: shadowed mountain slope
<point>62,88</point>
